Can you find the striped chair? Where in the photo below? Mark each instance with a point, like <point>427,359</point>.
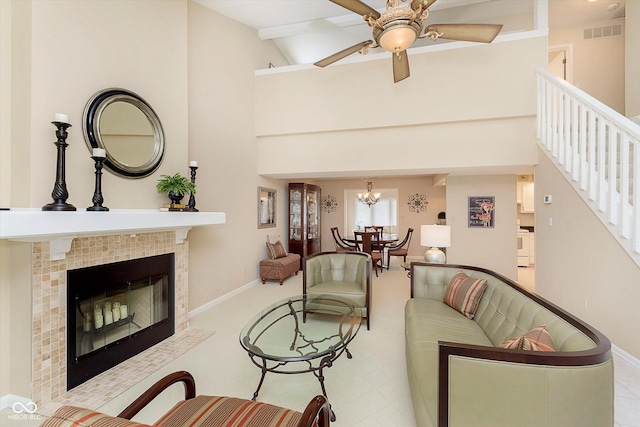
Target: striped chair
<point>209,411</point>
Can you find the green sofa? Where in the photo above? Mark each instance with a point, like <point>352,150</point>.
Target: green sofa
<point>459,377</point>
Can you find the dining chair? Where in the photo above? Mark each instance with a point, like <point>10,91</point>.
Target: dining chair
<point>377,238</point>
<point>365,238</point>
<point>341,244</point>
<point>401,249</point>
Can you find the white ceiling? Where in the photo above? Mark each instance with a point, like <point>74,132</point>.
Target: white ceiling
<point>308,30</point>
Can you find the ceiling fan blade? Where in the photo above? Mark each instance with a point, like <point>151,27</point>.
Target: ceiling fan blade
<point>400,66</point>
<point>483,33</point>
<point>415,3</point>
<point>358,7</point>
<point>342,54</point>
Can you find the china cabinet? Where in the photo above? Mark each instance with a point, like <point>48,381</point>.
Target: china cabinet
<point>304,219</point>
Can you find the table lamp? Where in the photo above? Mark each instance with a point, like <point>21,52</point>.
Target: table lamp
<point>435,236</point>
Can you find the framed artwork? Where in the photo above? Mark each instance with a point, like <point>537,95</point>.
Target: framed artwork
<point>267,204</point>
<point>417,203</point>
<point>482,211</point>
<point>329,204</point>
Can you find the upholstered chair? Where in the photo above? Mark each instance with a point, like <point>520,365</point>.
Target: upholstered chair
<point>345,276</point>
<point>196,411</point>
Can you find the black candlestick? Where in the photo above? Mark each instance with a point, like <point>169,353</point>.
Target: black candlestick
<point>97,194</point>
<point>191,206</point>
<point>59,193</point>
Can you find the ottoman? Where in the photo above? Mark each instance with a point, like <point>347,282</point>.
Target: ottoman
<point>279,268</point>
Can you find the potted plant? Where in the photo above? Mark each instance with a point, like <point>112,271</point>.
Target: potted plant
<point>176,187</point>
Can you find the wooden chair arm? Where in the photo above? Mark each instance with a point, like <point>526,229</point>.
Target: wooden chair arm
<point>159,387</point>
<point>317,408</point>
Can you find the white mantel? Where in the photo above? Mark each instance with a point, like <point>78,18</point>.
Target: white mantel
<point>60,228</point>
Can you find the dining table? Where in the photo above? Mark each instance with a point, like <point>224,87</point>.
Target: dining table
<point>381,244</point>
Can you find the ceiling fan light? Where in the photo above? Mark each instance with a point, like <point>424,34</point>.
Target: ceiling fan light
<point>397,38</point>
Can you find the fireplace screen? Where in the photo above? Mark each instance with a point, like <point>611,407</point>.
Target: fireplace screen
<point>116,311</point>
<point>110,316</point>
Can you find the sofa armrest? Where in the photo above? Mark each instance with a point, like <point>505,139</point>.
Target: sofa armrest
<point>544,388</point>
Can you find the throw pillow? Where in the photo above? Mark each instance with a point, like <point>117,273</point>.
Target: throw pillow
<point>276,250</point>
<point>463,293</point>
<point>537,339</point>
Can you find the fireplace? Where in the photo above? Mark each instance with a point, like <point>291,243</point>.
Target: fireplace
<point>115,311</point>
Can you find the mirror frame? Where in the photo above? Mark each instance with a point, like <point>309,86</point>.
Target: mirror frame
<point>270,196</point>
<point>91,129</point>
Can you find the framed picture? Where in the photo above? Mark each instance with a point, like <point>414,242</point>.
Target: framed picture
<point>482,211</point>
<point>267,204</point>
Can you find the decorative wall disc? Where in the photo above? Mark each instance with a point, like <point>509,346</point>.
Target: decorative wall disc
<point>329,204</point>
<point>417,203</point>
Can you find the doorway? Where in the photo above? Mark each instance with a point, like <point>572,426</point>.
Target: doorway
<point>560,61</point>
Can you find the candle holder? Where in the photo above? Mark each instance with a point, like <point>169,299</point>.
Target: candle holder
<point>97,193</point>
<point>59,193</point>
<point>191,206</point>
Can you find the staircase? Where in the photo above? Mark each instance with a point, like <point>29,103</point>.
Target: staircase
<point>598,151</point>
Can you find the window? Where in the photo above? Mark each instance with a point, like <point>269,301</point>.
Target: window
<point>384,213</point>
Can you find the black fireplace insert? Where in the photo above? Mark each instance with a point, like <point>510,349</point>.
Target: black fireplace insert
<point>115,311</point>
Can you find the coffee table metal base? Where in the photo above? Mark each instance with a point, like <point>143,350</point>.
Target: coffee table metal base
<point>301,345</point>
<point>326,362</point>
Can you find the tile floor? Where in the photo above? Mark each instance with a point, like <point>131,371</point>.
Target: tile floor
<point>371,389</point>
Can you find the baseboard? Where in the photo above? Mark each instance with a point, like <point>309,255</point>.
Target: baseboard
<point>8,400</point>
<point>218,300</point>
<point>626,356</point>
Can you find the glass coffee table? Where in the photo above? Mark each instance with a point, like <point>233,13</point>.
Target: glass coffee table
<point>301,334</point>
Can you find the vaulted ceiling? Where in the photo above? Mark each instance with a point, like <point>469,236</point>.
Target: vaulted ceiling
<point>308,30</point>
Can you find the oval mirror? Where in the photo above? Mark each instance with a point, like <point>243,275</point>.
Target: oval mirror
<point>122,123</point>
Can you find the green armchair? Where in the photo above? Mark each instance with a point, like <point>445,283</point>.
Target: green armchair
<point>341,275</point>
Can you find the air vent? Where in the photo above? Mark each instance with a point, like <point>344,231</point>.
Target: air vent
<point>606,31</point>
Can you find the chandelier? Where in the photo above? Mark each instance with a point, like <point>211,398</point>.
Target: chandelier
<point>369,198</point>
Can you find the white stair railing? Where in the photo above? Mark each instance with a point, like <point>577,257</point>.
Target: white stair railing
<point>598,151</point>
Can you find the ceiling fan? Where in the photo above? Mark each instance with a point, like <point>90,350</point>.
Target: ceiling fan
<point>398,27</point>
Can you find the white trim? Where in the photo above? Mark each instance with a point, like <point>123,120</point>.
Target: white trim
<point>8,400</point>
<point>626,356</point>
<point>568,49</point>
<point>218,300</point>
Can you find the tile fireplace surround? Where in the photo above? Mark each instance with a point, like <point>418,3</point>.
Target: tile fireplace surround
<point>88,246</point>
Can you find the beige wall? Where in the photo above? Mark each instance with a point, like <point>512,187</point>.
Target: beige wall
<point>580,266</point>
<point>145,51</point>
<point>223,56</point>
<point>5,101</point>
<point>632,59</point>
<point>460,108</point>
<point>60,54</point>
<point>598,64</point>
<point>492,248</point>
<point>406,219</point>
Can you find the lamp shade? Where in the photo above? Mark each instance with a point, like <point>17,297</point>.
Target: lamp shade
<point>397,38</point>
<point>437,236</point>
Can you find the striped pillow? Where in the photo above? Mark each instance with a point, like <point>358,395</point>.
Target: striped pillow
<point>228,411</point>
<point>537,339</point>
<point>276,250</point>
<point>463,293</point>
